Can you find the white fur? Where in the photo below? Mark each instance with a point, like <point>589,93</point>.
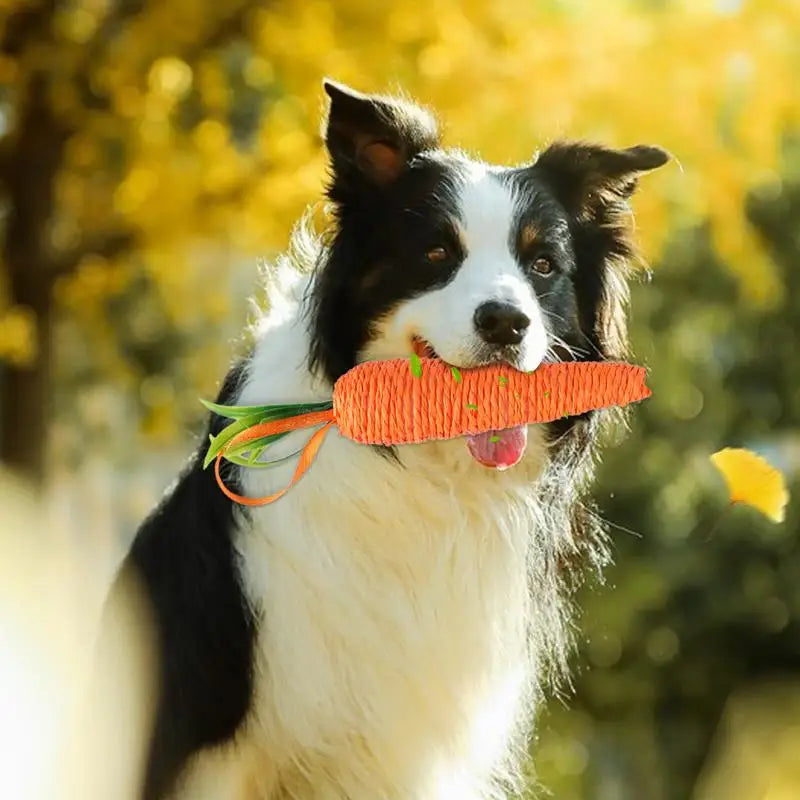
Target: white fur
<point>404,612</point>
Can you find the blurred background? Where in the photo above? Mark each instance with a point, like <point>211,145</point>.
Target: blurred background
<point>153,152</point>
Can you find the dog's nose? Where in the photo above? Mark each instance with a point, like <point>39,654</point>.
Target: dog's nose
<point>500,323</point>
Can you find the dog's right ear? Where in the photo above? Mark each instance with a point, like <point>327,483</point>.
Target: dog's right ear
<point>583,174</point>
<point>372,138</point>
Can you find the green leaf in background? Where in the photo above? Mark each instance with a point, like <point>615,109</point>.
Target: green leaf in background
<point>416,365</point>
<point>455,372</point>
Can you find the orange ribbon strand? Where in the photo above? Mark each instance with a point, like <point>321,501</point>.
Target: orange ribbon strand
<point>279,426</point>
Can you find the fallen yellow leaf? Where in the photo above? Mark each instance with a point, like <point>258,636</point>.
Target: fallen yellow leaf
<point>752,480</point>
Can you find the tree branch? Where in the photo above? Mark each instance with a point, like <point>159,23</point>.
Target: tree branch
<point>26,25</point>
<point>228,28</point>
<point>5,161</point>
<point>106,245</point>
<point>121,12</point>
<point>102,42</point>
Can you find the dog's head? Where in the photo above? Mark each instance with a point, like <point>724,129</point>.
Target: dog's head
<point>447,256</point>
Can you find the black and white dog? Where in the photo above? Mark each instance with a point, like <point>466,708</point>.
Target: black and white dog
<point>383,631</point>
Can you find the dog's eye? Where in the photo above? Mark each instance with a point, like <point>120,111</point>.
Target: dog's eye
<point>543,265</point>
<point>437,255</point>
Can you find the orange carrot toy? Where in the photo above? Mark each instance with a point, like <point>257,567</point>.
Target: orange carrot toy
<point>401,402</point>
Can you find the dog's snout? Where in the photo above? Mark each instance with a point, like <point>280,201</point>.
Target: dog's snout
<point>500,323</point>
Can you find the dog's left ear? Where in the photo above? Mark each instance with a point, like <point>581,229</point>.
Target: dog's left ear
<point>584,174</point>
<point>372,138</point>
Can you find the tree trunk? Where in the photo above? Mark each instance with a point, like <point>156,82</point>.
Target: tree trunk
<point>25,390</point>
<point>34,161</point>
<point>31,158</point>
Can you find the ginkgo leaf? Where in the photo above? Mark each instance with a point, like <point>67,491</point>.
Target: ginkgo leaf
<point>752,480</point>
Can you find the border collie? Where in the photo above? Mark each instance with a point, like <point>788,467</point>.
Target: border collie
<point>385,630</point>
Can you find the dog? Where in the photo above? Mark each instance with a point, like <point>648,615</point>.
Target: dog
<point>386,630</point>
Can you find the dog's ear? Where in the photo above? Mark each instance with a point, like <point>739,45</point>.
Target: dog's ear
<point>372,138</point>
<point>593,183</point>
<point>584,175</point>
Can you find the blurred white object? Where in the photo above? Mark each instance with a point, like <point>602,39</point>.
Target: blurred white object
<point>63,732</point>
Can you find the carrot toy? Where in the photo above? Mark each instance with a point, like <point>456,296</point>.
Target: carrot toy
<point>403,402</point>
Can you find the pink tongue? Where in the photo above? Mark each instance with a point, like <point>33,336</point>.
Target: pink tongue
<point>499,449</point>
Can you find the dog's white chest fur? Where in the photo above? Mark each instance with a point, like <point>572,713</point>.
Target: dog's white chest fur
<point>392,652</point>
<point>394,658</point>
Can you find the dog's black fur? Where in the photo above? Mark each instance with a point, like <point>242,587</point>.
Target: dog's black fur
<point>184,557</point>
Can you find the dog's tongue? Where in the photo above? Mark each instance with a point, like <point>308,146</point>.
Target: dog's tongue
<point>499,449</point>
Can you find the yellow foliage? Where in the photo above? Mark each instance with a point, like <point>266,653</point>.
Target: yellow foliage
<point>752,480</point>
<point>17,335</point>
<point>506,79</point>
<point>193,122</point>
